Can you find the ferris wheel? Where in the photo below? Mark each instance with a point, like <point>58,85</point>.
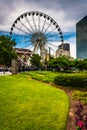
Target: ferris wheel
<point>37,32</point>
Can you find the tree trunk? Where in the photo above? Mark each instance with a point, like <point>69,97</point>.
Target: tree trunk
<point>14,66</point>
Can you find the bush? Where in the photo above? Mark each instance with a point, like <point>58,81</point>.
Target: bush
<point>77,81</point>
<point>81,96</point>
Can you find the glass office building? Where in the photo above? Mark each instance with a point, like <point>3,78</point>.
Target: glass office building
<point>81,38</point>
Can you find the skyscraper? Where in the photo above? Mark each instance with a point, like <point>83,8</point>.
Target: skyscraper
<point>81,38</point>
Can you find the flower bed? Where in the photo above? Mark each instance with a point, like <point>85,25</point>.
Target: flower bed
<point>80,117</point>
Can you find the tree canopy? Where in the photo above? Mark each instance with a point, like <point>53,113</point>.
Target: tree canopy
<point>7,52</point>
<point>67,63</point>
<point>60,62</point>
<point>81,64</point>
<point>35,60</point>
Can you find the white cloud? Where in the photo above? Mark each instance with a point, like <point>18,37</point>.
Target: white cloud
<point>65,12</point>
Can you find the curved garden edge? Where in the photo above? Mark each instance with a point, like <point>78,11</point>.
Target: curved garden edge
<point>70,125</point>
<point>48,78</point>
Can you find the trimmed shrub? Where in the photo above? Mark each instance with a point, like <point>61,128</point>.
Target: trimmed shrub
<point>80,96</point>
<point>77,81</point>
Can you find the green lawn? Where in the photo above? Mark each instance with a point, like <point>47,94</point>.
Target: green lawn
<point>45,76</point>
<point>74,80</point>
<point>26,104</point>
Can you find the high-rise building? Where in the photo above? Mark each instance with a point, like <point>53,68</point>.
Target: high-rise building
<point>63,49</point>
<point>81,38</point>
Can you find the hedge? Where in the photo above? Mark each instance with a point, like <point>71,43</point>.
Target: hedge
<point>77,81</point>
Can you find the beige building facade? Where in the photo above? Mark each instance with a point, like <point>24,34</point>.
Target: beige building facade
<point>63,50</point>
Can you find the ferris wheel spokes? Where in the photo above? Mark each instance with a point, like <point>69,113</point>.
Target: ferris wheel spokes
<point>37,30</point>
<point>30,24</point>
<point>23,24</point>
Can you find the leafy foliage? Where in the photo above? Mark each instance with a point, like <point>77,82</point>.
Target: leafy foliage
<point>36,60</point>
<point>80,64</point>
<point>45,76</point>
<point>7,52</point>
<point>60,62</point>
<point>81,96</point>
<point>73,80</point>
<point>67,63</point>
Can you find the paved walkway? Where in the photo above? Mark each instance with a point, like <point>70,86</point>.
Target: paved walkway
<point>6,73</point>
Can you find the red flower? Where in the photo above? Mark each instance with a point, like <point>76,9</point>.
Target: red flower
<point>80,124</point>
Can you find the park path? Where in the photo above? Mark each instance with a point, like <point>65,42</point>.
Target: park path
<point>6,73</point>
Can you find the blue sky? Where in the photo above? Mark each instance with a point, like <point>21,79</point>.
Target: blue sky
<point>65,12</point>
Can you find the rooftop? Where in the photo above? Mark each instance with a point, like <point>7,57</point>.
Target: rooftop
<point>82,21</point>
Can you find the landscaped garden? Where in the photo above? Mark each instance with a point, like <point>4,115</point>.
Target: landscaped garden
<point>27,104</point>
<point>75,85</point>
<point>55,99</point>
<point>74,80</point>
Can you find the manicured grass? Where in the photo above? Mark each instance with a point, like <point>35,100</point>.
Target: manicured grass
<point>26,104</point>
<point>45,76</point>
<point>74,80</point>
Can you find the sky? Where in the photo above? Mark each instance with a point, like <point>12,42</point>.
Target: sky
<point>65,12</point>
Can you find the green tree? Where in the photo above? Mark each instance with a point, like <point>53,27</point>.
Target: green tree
<point>60,63</point>
<point>81,64</point>
<point>52,63</point>
<point>63,62</point>
<point>35,60</point>
<point>7,53</point>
